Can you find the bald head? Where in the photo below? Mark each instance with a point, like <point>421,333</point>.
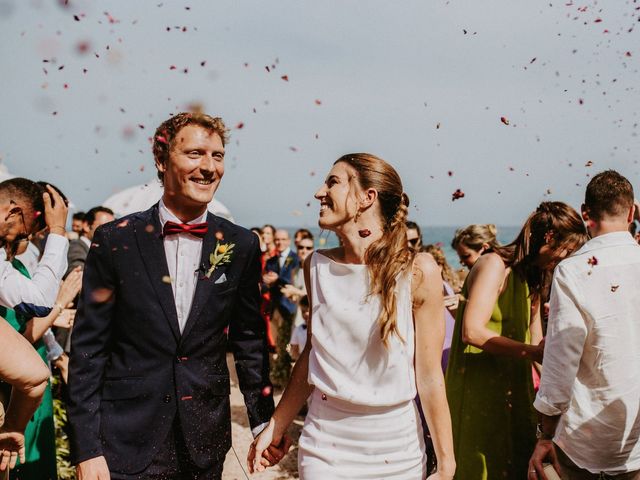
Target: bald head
<point>282,240</point>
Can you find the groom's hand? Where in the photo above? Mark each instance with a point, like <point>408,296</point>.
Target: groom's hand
<point>93,469</point>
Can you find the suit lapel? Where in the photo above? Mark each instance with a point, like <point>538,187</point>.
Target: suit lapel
<point>204,285</point>
<point>149,238</point>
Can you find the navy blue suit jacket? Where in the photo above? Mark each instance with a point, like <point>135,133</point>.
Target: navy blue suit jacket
<point>285,277</point>
<point>132,372</point>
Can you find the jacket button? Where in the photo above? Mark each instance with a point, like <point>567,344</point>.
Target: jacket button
<point>167,398</point>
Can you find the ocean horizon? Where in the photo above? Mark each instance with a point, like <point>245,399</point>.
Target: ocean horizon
<point>440,235</point>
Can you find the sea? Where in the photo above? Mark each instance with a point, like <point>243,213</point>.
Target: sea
<point>440,235</point>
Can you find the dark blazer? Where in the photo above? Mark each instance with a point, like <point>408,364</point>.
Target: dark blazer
<point>77,254</point>
<point>285,277</point>
<point>132,372</point>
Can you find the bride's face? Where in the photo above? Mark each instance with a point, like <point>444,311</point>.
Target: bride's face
<point>337,197</point>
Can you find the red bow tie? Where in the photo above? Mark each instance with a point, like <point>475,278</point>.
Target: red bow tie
<point>196,229</point>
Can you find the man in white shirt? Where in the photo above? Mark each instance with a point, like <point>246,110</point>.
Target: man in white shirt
<point>589,397</point>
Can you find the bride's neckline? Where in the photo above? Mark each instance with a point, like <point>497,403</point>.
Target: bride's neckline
<point>340,263</point>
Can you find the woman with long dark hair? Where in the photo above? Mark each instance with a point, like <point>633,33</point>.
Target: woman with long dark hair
<point>497,335</point>
<point>375,339</point>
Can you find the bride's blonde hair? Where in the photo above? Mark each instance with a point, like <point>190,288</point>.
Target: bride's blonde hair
<point>389,256</point>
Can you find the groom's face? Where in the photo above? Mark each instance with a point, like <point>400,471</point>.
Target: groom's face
<point>195,166</point>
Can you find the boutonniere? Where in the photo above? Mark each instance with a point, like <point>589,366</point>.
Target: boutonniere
<point>287,262</point>
<point>221,255</point>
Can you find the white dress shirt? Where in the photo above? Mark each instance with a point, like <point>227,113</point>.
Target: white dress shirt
<point>591,375</point>
<point>183,252</point>
<point>282,257</point>
<point>37,295</point>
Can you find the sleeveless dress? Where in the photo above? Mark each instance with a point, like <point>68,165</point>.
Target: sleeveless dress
<point>362,422</point>
<point>491,396</point>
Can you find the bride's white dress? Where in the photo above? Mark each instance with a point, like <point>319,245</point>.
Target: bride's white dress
<point>362,422</point>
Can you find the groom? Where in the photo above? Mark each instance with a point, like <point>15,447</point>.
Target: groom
<point>166,293</point>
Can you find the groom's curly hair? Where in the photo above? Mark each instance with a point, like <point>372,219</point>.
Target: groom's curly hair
<point>168,130</point>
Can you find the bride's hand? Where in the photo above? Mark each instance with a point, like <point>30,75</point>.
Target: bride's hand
<point>267,450</point>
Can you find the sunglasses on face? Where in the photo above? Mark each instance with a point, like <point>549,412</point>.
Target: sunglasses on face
<point>414,241</point>
<point>302,247</point>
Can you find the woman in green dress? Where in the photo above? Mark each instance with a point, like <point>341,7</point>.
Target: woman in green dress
<point>40,461</point>
<point>498,333</point>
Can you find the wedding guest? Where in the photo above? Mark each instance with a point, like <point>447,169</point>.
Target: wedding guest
<point>268,249</point>
<point>268,234</point>
<point>265,300</point>
<point>497,335</point>
<point>472,241</point>
<point>358,363</point>
<point>280,270</point>
<point>414,236</point>
<point>26,208</point>
<point>450,296</point>
<point>24,370</point>
<point>78,249</point>
<point>299,334</point>
<point>40,444</point>
<point>297,289</point>
<point>77,221</point>
<point>300,234</point>
<point>589,392</point>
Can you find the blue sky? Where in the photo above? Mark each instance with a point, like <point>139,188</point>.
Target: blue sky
<point>398,79</point>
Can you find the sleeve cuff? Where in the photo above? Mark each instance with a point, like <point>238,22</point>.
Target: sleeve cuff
<point>546,408</point>
<point>258,430</point>
<point>58,242</point>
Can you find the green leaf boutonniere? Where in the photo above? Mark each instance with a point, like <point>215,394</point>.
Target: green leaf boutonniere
<point>220,256</point>
<point>288,262</point>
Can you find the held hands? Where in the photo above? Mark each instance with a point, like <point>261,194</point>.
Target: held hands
<point>55,211</point>
<point>11,447</point>
<point>93,469</point>
<point>267,450</point>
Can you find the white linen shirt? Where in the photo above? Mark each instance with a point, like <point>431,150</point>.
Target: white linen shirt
<point>591,375</point>
<point>35,296</point>
<point>183,252</point>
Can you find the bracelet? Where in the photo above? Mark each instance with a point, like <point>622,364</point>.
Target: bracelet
<point>542,435</point>
<point>62,229</point>
<point>60,309</point>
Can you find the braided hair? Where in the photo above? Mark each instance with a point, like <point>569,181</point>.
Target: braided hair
<point>389,256</point>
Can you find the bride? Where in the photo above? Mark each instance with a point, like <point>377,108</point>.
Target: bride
<point>375,338</point>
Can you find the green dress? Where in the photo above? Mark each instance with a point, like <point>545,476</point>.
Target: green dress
<point>491,396</point>
<point>39,436</point>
